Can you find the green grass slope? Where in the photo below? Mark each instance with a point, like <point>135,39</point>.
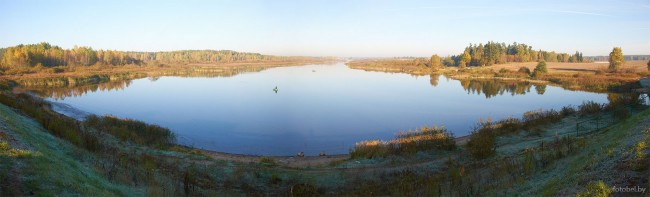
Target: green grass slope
<point>48,166</point>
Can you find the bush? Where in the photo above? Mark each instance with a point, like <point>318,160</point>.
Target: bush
<point>482,141</point>
<point>622,100</point>
<point>503,70</point>
<point>590,107</point>
<point>540,117</point>
<point>621,113</point>
<point>406,143</point>
<point>567,111</point>
<point>132,130</point>
<point>5,84</point>
<point>303,189</point>
<point>267,161</point>
<point>540,69</point>
<point>596,189</point>
<point>369,149</point>
<point>4,146</point>
<point>507,126</point>
<point>524,70</point>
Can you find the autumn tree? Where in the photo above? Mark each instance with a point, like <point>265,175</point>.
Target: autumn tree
<point>46,55</point>
<point>465,58</point>
<point>435,62</point>
<point>616,59</point>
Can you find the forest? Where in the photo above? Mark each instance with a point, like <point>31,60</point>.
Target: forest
<point>499,53</point>
<point>47,55</point>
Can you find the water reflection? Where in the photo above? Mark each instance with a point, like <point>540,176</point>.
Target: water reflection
<point>59,93</point>
<point>494,87</point>
<point>62,87</point>
<point>328,110</point>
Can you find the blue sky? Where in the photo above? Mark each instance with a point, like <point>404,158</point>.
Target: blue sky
<point>329,27</point>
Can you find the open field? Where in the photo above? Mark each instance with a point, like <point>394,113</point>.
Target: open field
<point>555,67</point>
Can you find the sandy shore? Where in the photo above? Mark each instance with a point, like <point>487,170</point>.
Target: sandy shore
<point>69,111</point>
<point>294,161</point>
<point>287,161</point>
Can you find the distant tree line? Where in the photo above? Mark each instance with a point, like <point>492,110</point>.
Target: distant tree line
<point>46,55</point>
<point>499,53</point>
<point>626,57</point>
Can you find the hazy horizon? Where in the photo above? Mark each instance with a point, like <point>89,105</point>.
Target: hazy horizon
<point>329,28</point>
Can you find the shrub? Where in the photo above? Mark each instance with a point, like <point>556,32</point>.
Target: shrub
<point>621,113</point>
<point>503,70</point>
<point>534,118</point>
<point>369,149</point>
<point>5,84</point>
<point>482,141</point>
<point>567,110</point>
<point>622,100</point>
<point>267,161</point>
<point>132,130</point>
<point>596,189</point>
<point>406,143</point>
<point>303,189</point>
<point>19,153</point>
<point>640,156</point>
<point>540,69</point>
<point>4,146</point>
<point>589,107</point>
<point>507,126</point>
<point>524,70</point>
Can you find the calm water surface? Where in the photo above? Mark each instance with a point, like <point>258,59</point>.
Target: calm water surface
<point>316,108</point>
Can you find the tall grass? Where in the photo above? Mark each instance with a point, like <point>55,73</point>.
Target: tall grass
<point>60,126</point>
<point>482,141</point>
<point>132,130</point>
<point>406,143</point>
<point>540,117</point>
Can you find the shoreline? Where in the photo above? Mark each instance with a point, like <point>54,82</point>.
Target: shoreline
<point>282,160</point>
